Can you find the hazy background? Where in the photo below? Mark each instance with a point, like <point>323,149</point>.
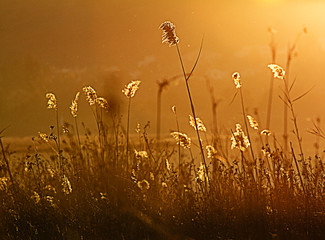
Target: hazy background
<point>61,46</point>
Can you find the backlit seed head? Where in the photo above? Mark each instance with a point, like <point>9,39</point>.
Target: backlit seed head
<point>138,129</point>
<point>51,102</point>
<point>266,132</point>
<point>236,78</point>
<point>102,102</point>
<point>211,151</point>
<point>199,123</point>
<point>44,137</point>
<point>131,88</point>
<point>252,122</point>
<point>91,95</point>
<point>182,139</point>
<point>239,139</point>
<point>278,72</point>
<point>169,35</point>
<point>74,105</point>
<point>66,185</point>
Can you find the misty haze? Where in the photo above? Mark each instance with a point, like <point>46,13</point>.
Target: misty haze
<point>162,119</point>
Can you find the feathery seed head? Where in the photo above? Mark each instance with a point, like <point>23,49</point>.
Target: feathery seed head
<point>236,78</point>
<point>74,105</point>
<point>278,72</point>
<point>91,95</point>
<point>66,185</point>
<point>199,124</point>
<point>169,35</point>
<point>51,102</point>
<point>44,137</point>
<point>239,139</point>
<point>252,122</point>
<point>131,88</point>
<point>102,102</point>
<point>182,139</point>
<point>212,152</point>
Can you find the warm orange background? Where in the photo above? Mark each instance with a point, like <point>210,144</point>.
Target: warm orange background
<point>60,46</point>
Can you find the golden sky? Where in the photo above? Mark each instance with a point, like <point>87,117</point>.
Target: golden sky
<point>60,46</point>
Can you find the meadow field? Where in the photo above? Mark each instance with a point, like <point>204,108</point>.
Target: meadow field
<point>117,182</point>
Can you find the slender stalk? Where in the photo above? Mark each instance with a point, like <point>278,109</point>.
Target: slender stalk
<point>193,112</point>
<point>58,140</point>
<point>77,130</point>
<point>116,130</point>
<point>294,118</point>
<point>269,105</point>
<point>158,118</point>
<point>58,130</point>
<point>179,146</point>
<point>245,121</point>
<point>298,170</point>
<point>8,167</point>
<point>127,136</point>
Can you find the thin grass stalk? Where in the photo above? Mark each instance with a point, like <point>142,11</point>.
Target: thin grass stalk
<point>58,130</point>
<point>194,115</point>
<point>8,167</point>
<point>59,141</point>
<point>294,118</point>
<point>247,130</point>
<point>78,135</point>
<point>179,147</point>
<point>127,136</point>
<point>298,170</point>
<point>269,105</point>
<point>116,130</point>
<point>98,126</point>
<point>317,138</point>
<point>158,118</point>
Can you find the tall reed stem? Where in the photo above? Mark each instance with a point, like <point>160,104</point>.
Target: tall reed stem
<point>127,136</point>
<point>194,115</point>
<point>8,167</point>
<point>245,121</point>
<point>158,118</point>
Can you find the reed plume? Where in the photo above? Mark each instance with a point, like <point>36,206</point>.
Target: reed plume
<point>169,36</point>
<point>74,113</point>
<point>129,91</point>
<point>182,139</point>
<point>199,125</point>
<point>239,140</point>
